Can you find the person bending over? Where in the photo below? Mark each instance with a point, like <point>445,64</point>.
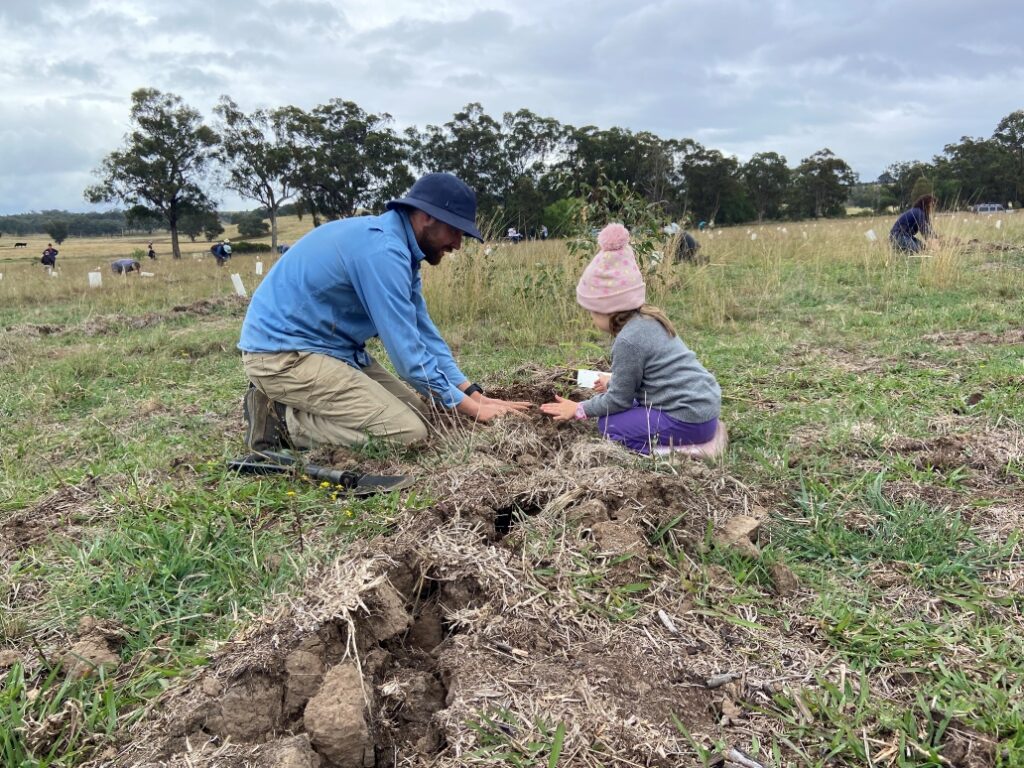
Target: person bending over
<point>918,220</point>
<point>304,336</point>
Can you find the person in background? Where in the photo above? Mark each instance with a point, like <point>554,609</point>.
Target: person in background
<point>150,251</point>
<point>917,220</point>
<point>686,248</point>
<point>123,266</point>
<point>658,396</point>
<point>221,252</point>
<point>303,342</point>
<point>49,258</point>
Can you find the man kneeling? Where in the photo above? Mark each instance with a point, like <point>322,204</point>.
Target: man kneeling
<point>312,381</point>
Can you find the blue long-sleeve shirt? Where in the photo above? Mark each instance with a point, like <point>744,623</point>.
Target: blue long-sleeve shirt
<point>910,223</point>
<point>348,281</point>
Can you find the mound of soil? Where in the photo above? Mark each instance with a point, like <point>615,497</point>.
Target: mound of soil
<point>535,589</point>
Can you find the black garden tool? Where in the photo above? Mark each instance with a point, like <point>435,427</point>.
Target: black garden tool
<point>275,463</point>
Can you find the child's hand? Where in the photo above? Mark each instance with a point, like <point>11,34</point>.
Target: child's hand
<point>561,410</point>
<point>601,385</point>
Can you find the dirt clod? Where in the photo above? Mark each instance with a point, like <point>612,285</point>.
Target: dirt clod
<point>305,671</point>
<point>88,656</point>
<point>335,719</point>
<point>784,580</point>
<point>249,710</point>
<point>388,616</point>
<point>8,659</point>
<point>617,538</point>
<point>295,752</point>
<point>739,534</point>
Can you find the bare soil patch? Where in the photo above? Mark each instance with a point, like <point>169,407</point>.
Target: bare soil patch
<point>68,511</point>
<point>972,338</point>
<point>233,306</point>
<point>962,442</point>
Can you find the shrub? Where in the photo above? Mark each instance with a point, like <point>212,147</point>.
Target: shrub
<point>244,246</point>
<point>251,225</point>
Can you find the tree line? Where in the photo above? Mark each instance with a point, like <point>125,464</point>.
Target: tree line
<point>528,170</point>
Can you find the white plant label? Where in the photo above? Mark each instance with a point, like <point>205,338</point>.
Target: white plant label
<point>236,280</point>
<point>95,279</point>
<point>259,267</point>
<point>587,379</point>
<point>870,235</point>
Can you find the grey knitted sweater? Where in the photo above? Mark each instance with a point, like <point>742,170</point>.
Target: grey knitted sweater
<point>657,371</point>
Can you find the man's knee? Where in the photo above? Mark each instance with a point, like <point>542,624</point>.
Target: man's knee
<point>410,429</point>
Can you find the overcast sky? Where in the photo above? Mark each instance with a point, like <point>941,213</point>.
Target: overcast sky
<point>876,82</point>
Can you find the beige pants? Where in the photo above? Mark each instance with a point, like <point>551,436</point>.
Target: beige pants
<point>328,402</point>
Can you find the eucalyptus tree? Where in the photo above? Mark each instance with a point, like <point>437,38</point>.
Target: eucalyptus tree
<point>347,158</point>
<point>259,156</point>
<point>974,171</point>
<point>766,178</point>
<point>163,162</point>
<point>1009,135</point>
<point>713,187</point>
<point>900,178</point>
<point>530,144</point>
<point>821,185</point>
<point>471,146</point>
<point>200,221</point>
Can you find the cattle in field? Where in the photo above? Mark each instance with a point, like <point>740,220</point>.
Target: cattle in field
<point>21,245</point>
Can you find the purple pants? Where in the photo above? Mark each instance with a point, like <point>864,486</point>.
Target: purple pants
<point>639,428</point>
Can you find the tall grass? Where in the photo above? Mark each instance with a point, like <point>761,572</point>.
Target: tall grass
<point>530,288</point>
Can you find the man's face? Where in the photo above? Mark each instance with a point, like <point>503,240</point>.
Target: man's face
<point>436,239</point>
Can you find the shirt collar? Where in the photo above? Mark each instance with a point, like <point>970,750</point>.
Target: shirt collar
<point>410,237</point>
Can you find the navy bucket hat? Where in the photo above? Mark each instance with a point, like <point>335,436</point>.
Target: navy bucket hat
<point>447,199</point>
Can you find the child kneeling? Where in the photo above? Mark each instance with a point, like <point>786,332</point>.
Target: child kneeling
<point>658,396</point>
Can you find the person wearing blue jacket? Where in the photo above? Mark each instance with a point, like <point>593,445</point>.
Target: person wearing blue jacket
<point>916,220</point>
<point>303,341</point>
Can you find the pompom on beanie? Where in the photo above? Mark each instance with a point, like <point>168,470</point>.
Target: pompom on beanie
<point>612,281</point>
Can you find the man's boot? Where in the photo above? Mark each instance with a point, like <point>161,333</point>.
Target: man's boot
<point>265,428</point>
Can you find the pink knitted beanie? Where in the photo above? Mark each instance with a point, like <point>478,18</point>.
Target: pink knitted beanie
<point>612,281</point>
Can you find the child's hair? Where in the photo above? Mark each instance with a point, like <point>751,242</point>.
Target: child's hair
<point>617,321</point>
<point>925,203</point>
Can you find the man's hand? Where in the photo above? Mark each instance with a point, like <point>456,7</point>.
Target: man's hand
<point>486,408</point>
<point>601,385</point>
<point>561,410</point>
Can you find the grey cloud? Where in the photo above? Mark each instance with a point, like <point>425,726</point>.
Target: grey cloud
<point>80,72</point>
<point>254,26</point>
<point>472,80</point>
<point>308,13</point>
<point>476,32</point>
<point>17,13</point>
<point>193,77</point>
